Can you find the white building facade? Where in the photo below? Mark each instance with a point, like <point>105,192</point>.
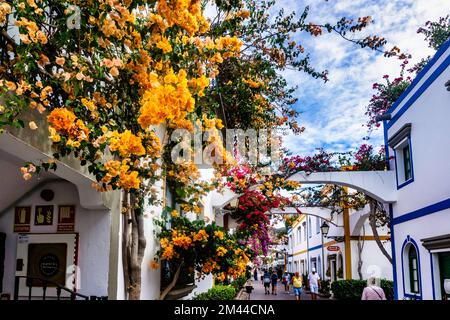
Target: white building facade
<point>416,187</point>
<point>55,226</point>
<point>417,135</point>
<point>348,251</point>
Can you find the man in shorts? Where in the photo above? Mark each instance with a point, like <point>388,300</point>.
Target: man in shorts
<point>314,283</point>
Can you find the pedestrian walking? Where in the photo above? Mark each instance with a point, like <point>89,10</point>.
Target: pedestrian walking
<point>297,284</point>
<point>274,279</point>
<point>314,284</point>
<point>255,274</point>
<point>286,281</point>
<point>267,280</point>
<point>373,291</point>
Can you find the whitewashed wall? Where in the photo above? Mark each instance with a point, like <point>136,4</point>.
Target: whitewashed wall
<point>417,229</point>
<point>92,225</point>
<point>429,117</point>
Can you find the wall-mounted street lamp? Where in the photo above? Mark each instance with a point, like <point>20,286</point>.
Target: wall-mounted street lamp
<point>325,227</point>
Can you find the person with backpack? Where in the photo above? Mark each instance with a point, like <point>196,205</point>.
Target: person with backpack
<point>373,291</point>
<point>267,280</point>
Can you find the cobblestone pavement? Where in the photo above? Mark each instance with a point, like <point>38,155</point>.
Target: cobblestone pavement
<point>258,293</point>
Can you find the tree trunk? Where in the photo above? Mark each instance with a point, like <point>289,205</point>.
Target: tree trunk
<point>373,225</point>
<point>133,245</point>
<point>137,249</point>
<point>360,249</point>
<point>172,283</point>
<point>125,241</point>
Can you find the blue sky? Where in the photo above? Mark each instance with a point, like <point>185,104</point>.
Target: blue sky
<point>333,113</point>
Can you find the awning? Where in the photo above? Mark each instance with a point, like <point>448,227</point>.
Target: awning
<point>437,243</point>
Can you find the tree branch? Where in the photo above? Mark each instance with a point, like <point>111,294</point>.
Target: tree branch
<point>6,36</point>
<point>373,225</point>
<point>172,283</point>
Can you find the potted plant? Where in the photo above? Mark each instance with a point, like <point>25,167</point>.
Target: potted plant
<point>324,290</point>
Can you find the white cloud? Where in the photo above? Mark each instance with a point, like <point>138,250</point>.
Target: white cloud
<point>333,113</point>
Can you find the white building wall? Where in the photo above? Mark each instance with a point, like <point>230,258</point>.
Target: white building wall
<point>92,225</point>
<point>374,262</point>
<point>428,116</point>
<point>417,229</point>
<point>430,149</point>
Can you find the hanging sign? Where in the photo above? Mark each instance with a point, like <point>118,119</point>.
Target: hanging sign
<point>43,216</point>
<point>66,218</point>
<point>22,218</point>
<point>333,248</point>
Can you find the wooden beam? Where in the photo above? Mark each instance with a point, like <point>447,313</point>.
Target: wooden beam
<point>370,238</point>
<point>347,236</point>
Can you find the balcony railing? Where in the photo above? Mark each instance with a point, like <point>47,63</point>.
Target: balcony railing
<point>46,284</point>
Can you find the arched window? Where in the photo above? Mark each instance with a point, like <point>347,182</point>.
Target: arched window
<point>413,269</point>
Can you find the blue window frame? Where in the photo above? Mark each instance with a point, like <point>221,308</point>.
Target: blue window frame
<point>404,163</point>
<point>411,270</point>
<point>407,168</point>
<point>401,143</point>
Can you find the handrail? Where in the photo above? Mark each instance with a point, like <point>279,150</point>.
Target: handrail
<point>45,282</point>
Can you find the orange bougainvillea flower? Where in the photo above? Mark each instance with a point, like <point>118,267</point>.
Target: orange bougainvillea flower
<point>182,241</point>
<point>61,119</point>
<point>168,253</point>
<point>219,234</point>
<point>154,264</point>
<point>126,143</point>
<point>201,236</point>
<point>168,100</point>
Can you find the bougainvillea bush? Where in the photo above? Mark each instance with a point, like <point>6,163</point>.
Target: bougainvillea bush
<point>204,248</point>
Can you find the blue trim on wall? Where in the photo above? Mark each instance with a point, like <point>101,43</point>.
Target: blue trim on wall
<point>315,248</point>
<point>421,74</point>
<point>432,275</point>
<point>411,241</point>
<point>420,91</point>
<point>386,146</point>
<point>394,258</point>
<point>439,206</point>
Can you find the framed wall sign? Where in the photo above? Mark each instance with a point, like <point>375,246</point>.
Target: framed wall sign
<point>43,216</point>
<point>66,218</point>
<point>22,218</point>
